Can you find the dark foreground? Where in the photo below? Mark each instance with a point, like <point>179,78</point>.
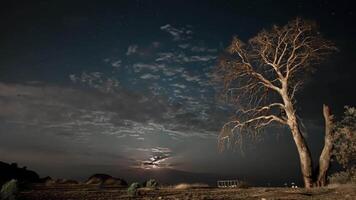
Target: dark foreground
<point>84,192</point>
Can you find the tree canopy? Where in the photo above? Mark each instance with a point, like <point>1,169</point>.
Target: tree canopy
<point>261,77</point>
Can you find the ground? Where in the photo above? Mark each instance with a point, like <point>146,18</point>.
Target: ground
<point>84,192</point>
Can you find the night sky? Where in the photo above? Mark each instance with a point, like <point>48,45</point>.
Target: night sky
<point>119,86</point>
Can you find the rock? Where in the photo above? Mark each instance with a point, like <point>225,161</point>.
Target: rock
<point>97,178</point>
<point>106,180</point>
<point>47,181</point>
<point>66,181</point>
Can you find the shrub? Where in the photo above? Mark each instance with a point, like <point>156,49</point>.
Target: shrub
<point>343,177</point>
<point>243,184</point>
<point>133,189</point>
<point>9,190</point>
<point>152,183</point>
<point>345,139</point>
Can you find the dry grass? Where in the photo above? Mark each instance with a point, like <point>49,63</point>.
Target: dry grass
<point>186,191</point>
<point>338,185</point>
<point>184,186</point>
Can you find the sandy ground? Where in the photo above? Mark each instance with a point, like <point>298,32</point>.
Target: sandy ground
<point>83,192</point>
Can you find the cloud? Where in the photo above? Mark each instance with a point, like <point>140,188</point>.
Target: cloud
<point>181,57</point>
<point>77,120</point>
<point>179,85</point>
<point>184,46</point>
<point>177,33</point>
<point>155,157</point>
<point>96,80</point>
<point>161,68</point>
<point>150,76</point>
<point>188,111</point>
<point>156,149</point>
<point>68,112</point>
<point>159,99</point>
<point>165,56</point>
<point>203,49</point>
<point>190,78</point>
<point>202,58</point>
<point>139,67</point>
<point>131,49</point>
<point>116,64</point>
<point>161,150</point>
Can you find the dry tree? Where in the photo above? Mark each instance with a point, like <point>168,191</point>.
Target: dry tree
<point>261,78</point>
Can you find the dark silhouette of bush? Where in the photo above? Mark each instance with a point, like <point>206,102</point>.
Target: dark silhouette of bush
<point>343,177</point>
<point>12,171</point>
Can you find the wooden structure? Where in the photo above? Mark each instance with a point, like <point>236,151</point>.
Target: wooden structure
<point>228,183</point>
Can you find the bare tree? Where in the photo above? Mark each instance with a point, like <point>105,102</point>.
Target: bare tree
<point>261,78</point>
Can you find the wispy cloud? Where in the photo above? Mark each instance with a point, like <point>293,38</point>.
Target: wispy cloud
<point>179,85</point>
<point>177,33</point>
<point>116,64</point>
<point>181,57</point>
<point>148,97</point>
<point>150,76</point>
<point>61,110</point>
<point>96,80</point>
<point>131,49</point>
<point>203,49</point>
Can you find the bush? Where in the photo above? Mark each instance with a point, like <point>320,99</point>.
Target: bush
<point>133,189</point>
<point>343,177</point>
<point>152,183</point>
<point>243,184</point>
<point>9,190</point>
<point>345,139</point>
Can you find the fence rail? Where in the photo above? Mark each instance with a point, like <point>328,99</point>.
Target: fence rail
<point>228,183</point>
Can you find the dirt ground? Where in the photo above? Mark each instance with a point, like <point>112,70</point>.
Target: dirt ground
<point>84,192</point>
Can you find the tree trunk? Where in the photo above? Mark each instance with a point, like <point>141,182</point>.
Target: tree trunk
<point>306,164</point>
<point>325,155</point>
<point>302,147</point>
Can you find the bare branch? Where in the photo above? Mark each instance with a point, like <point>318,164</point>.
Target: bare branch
<point>260,109</point>
<point>262,76</point>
